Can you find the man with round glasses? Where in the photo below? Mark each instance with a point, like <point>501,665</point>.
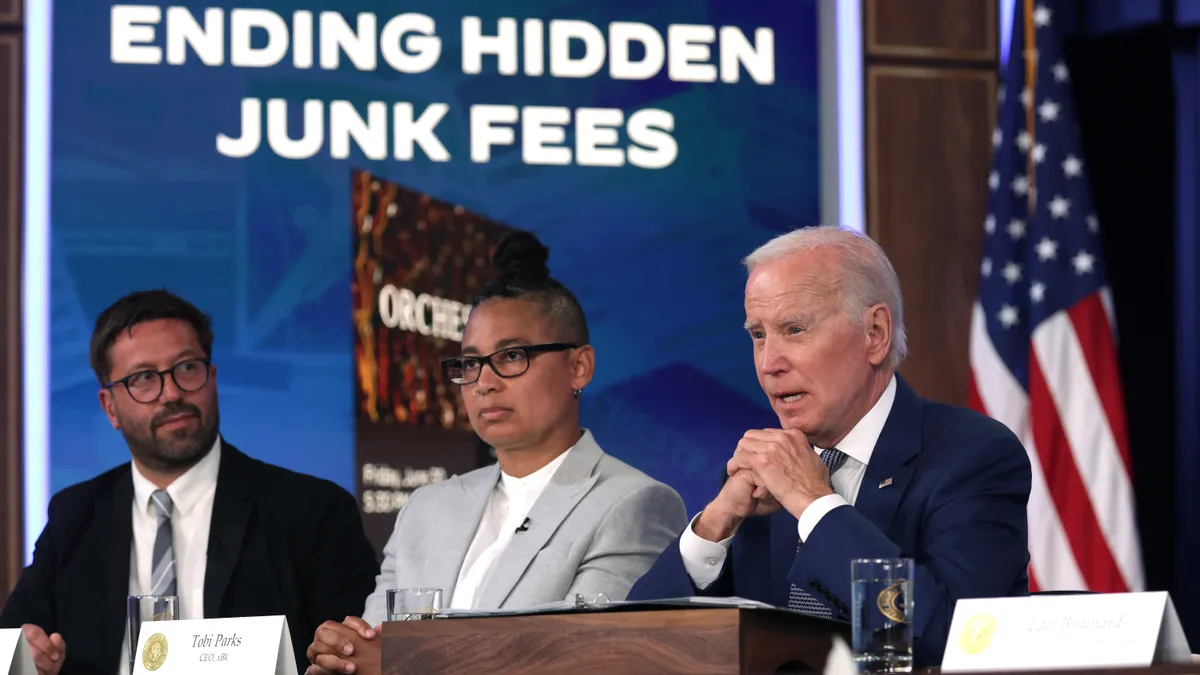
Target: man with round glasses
<point>190,517</point>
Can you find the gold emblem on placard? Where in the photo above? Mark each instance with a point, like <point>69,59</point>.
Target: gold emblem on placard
<point>154,654</point>
<point>977,634</point>
<point>891,602</point>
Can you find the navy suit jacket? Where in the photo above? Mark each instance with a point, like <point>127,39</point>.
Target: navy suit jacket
<point>956,505</point>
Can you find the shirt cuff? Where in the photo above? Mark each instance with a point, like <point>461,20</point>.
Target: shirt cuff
<point>815,512</point>
<point>703,559</point>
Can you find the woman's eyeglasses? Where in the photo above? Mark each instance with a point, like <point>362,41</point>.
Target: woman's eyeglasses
<point>508,362</point>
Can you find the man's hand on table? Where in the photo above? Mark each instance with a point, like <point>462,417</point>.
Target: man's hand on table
<point>49,651</point>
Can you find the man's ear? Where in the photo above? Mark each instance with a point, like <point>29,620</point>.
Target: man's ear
<point>879,333</point>
<point>109,406</point>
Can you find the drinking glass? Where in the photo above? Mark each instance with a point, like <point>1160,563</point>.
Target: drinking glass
<point>881,614</point>
<point>141,608</point>
<point>410,604</point>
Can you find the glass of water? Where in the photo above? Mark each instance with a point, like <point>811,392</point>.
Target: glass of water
<point>881,614</point>
<point>140,608</point>
<point>410,604</point>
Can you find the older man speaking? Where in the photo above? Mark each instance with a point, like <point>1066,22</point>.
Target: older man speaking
<point>861,467</point>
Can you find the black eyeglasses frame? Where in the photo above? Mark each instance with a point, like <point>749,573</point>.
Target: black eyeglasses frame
<point>529,351</point>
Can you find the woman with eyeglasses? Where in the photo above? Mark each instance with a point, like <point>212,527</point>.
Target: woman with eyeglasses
<point>556,518</point>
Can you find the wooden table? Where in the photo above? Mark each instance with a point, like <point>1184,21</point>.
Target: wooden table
<point>697,641</point>
<point>662,641</point>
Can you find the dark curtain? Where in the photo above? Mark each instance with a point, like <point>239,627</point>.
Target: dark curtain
<point>1186,76</point>
<point>1135,69</point>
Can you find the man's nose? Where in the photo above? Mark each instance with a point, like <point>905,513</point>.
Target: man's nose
<point>170,390</point>
<point>771,359</point>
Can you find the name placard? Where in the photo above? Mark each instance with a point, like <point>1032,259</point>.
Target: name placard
<point>1044,632</point>
<point>255,644</point>
<point>15,658</point>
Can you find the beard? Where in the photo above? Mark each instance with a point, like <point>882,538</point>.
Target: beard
<point>173,450</point>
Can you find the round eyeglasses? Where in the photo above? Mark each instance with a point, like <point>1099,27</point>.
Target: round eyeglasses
<point>146,386</point>
<point>508,362</point>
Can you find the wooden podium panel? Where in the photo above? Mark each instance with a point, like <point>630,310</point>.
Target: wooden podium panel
<point>929,107</point>
<point>699,641</point>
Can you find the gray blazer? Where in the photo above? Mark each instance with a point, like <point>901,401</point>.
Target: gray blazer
<point>596,528</point>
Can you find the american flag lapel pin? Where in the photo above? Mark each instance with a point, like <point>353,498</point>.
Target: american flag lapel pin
<point>884,483</point>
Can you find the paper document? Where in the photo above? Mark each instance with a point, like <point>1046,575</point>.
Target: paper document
<point>581,605</point>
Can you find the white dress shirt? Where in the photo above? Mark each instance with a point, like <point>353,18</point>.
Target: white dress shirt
<point>191,516</point>
<point>506,509</point>
<point>704,559</point>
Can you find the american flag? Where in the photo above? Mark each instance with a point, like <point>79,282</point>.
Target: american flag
<point>1043,335</point>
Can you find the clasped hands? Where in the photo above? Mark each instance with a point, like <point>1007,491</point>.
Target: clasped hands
<point>769,470</point>
<point>348,647</point>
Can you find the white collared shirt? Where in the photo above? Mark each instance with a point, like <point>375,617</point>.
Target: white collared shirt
<point>191,517</point>
<point>704,559</point>
<point>506,510</point>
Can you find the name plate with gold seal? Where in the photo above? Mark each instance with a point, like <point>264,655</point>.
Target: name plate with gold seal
<point>15,658</point>
<point>1051,632</point>
<point>257,644</point>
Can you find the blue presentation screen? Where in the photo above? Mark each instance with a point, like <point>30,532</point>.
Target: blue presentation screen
<point>209,148</point>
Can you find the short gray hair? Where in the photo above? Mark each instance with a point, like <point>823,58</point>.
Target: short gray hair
<point>868,276</point>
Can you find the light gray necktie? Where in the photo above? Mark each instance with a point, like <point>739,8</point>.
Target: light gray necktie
<point>798,598</point>
<point>163,575</point>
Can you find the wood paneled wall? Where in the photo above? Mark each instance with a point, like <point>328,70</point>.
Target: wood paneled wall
<point>930,106</point>
<point>11,141</point>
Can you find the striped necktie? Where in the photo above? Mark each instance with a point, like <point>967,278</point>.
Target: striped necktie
<point>163,575</point>
<point>798,598</point>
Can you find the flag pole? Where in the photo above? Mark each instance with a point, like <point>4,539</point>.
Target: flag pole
<point>1031,57</point>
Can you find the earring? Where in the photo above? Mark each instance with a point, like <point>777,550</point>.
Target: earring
<point>577,393</point>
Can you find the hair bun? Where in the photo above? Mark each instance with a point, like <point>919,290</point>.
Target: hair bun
<point>521,253</point>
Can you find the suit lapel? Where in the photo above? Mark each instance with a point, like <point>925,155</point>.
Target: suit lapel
<point>889,466</point>
<point>567,487</point>
<point>232,507</point>
<point>116,516</point>
<point>454,526</point>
